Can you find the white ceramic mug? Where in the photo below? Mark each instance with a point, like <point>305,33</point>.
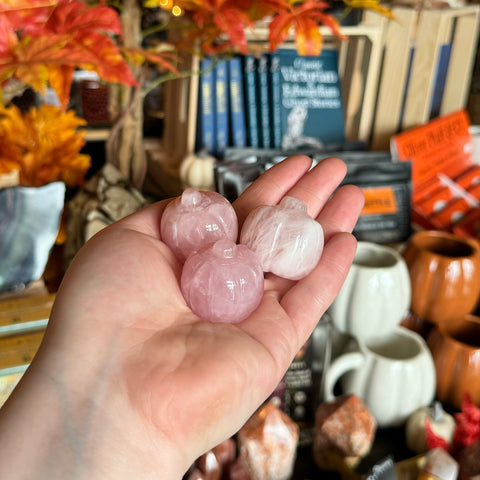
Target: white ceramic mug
<point>393,375</point>
<point>376,293</point>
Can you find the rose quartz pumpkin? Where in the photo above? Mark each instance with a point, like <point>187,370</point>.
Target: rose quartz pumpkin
<point>286,240</point>
<point>195,219</point>
<point>222,282</point>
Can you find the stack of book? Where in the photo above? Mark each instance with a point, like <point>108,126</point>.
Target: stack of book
<point>279,101</point>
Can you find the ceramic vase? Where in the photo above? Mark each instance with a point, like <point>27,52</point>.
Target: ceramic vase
<point>455,347</point>
<point>29,223</point>
<point>444,272</point>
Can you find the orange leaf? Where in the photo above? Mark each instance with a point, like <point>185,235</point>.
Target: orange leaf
<point>8,38</point>
<point>60,79</point>
<point>305,18</point>
<point>30,60</point>
<point>44,145</point>
<point>279,29</point>
<point>58,37</point>
<point>165,60</point>
<point>308,38</point>
<point>105,58</point>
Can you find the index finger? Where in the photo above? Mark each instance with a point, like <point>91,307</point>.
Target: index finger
<point>272,185</point>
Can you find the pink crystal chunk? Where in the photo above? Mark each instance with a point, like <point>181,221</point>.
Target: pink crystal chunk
<point>222,282</point>
<point>195,219</point>
<point>286,240</point>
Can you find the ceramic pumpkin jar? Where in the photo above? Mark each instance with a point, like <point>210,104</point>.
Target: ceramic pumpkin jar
<point>375,295</point>
<point>444,272</point>
<point>392,374</point>
<point>455,347</point>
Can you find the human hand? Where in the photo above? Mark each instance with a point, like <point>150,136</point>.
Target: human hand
<point>134,385</point>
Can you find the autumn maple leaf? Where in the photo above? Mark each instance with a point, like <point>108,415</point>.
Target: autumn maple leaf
<point>304,19</point>
<point>56,40</point>
<point>215,19</point>
<point>164,60</point>
<point>26,14</point>
<point>29,60</point>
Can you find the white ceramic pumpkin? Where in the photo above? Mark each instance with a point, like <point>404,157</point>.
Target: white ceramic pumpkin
<point>197,171</point>
<point>376,294</point>
<point>392,374</point>
<point>441,423</point>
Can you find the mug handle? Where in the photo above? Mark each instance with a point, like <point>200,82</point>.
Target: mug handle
<point>339,366</point>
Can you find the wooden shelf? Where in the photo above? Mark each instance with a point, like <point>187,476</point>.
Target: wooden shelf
<point>99,134</point>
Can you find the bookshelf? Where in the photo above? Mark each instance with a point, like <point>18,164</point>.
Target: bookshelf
<point>358,90</point>
<point>385,87</point>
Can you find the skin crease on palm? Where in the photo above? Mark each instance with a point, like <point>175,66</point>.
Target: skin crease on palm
<point>128,382</point>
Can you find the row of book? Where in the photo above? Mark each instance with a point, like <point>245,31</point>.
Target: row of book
<point>279,101</point>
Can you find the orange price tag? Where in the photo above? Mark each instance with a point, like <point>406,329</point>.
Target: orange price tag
<point>379,201</point>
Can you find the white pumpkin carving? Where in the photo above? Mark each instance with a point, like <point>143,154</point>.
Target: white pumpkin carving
<point>197,171</point>
<point>442,424</point>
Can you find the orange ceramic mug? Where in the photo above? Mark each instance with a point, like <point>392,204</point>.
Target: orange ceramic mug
<point>444,272</point>
<point>455,347</point>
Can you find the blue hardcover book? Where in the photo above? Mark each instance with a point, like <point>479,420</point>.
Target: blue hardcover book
<point>440,80</point>
<point>264,100</point>
<point>311,103</point>
<point>251,100</point>
<point>407,84</point>
<point>221,107</point>
<point>276,102</point>
<point>206,107</point>
<point>237,103</point>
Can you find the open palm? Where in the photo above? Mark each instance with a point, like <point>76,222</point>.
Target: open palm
<point>161,384</point>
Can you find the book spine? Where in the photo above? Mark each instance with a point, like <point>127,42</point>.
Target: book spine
<point>237,103</point>
<point>221,107</point>
<point>264,101</point>
<point>276,101</point>
<point>206,108</point>
<point>251,100</point>
<point>440,80</point>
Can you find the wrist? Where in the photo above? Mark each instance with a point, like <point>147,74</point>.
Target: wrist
<point>71,427</point>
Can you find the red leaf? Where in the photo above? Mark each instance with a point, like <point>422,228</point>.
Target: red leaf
<point>232,22</point>
<point>105,58</point>
<point>74,16</point>
<point>27,14</point>
<point>279,29</point>
<point>8,38</point>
